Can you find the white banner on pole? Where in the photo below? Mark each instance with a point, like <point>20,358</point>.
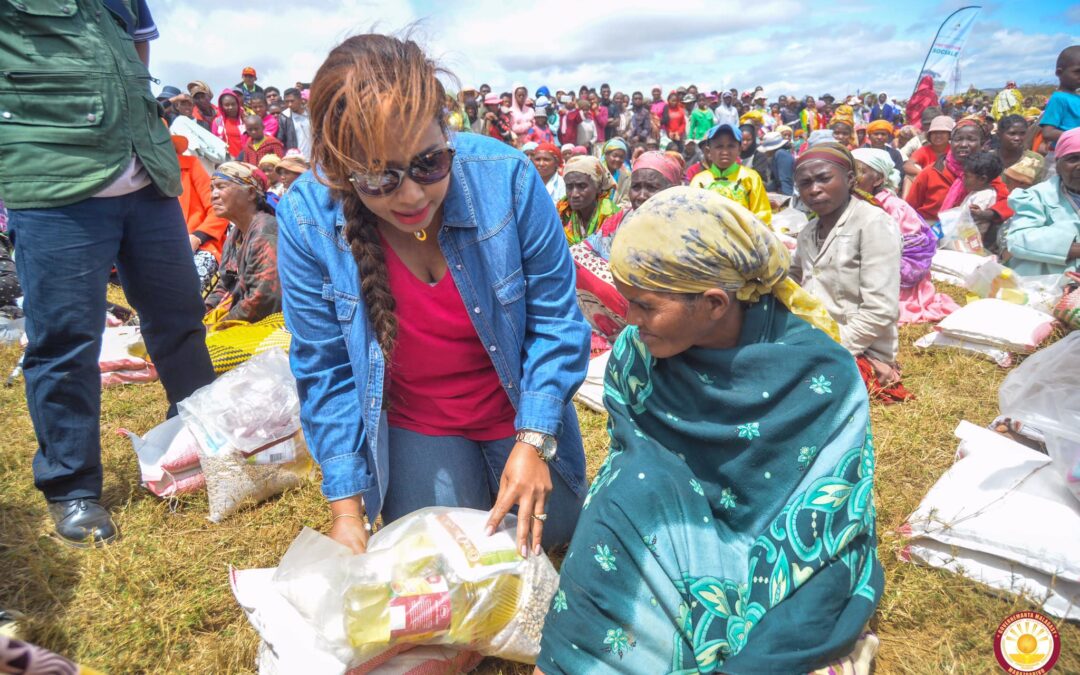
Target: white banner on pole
<point>943,60</point>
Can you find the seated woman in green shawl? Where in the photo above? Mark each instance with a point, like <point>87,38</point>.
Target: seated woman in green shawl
<point>588,201</point>
<point>731,528</point>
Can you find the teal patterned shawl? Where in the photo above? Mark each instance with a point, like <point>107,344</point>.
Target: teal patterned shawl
<point>731,527</point>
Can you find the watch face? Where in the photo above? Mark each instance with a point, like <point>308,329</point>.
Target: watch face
<point>549,447</point>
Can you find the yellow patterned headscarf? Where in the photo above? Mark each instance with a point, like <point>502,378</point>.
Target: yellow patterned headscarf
<point>843,113</point>
<point>688,240</point>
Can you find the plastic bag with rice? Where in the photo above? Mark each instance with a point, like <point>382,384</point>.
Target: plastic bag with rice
<point>247,425</point>
<point>432,577</point>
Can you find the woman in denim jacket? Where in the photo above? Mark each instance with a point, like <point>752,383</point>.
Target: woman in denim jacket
<point>430,293</point>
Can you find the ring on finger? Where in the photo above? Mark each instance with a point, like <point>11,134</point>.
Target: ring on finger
<point>540,516</point>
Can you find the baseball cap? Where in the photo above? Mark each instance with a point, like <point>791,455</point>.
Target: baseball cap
<point>248,71</point>
<point>734,131</point>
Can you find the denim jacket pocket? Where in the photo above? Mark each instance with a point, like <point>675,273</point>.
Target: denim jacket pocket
<point>511,289</point>
<point>345,305</point>
<point>510,293</point>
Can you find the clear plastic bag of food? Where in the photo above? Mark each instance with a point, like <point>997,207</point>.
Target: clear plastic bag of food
<point>431,577</point>
<point>247,409</point>
<point>234,481</point>
<point>959,231</point>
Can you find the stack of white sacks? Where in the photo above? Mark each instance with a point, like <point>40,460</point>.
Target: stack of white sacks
<point>1007,513</point>
<point>1006,314</point>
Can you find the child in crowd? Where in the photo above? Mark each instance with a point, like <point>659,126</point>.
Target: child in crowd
<point>980,170</point>
<point>1063,109</point>
<point>725,175</point>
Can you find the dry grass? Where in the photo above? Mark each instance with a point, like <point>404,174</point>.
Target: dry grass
<point>159,601</point>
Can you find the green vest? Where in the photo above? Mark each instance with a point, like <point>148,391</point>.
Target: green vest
<point>75,103</point>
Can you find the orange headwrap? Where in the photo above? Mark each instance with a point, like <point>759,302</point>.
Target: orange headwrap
<point>880,125</point>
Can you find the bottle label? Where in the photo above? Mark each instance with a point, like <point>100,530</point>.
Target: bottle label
<point>419,606</point>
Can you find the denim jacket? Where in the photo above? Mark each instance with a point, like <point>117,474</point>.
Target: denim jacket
<point>506,251</point>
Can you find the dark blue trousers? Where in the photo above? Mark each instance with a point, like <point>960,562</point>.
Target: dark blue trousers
<point>64,257</point>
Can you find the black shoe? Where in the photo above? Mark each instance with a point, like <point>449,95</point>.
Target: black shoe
<point>83,523</point>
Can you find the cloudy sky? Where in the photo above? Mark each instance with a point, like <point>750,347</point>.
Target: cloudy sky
<point>838,46</point>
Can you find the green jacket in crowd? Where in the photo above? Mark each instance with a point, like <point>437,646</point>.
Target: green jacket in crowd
<point>75,103</point>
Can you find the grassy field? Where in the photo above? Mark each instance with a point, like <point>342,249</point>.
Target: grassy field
<point>159,601</point>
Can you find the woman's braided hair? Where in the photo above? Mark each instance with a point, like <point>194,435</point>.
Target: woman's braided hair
<point>361,231</point>
<point>373,95</point>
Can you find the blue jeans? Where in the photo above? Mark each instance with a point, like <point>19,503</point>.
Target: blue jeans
<point>454,471</point>
<point>64,257</point>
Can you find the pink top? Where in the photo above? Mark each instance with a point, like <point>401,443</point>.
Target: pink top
<point>270,125</point>
<point>442,381</point>
<point>521,119</point>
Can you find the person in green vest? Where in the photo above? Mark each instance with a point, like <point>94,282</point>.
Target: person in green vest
<point>90,178</point>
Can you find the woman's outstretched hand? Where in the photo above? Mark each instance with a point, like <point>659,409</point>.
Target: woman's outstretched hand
<point>526,481</point>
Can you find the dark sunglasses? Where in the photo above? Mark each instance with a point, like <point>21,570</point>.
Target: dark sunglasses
<point>427,168</point>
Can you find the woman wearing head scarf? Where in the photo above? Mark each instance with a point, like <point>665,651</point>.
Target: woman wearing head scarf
<point>941,185</point>
<point>706,515</point>
<point>919,300</point>
<point>587,203</point>
<point>883,109</point>
<point>799,141</point>
<point>1044,235</point>
<point>616,158</point>
<point>548,162</point>
<point>653,172</point>
<point>923,98</point>
<point>750,155</point>
<point>848,256</point>
<point>879,134</point>
<point>842,125</point>
<point>603,307</point>
<point>248,290</point>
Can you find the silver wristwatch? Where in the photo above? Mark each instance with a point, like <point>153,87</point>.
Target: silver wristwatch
<point>545,444</point>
